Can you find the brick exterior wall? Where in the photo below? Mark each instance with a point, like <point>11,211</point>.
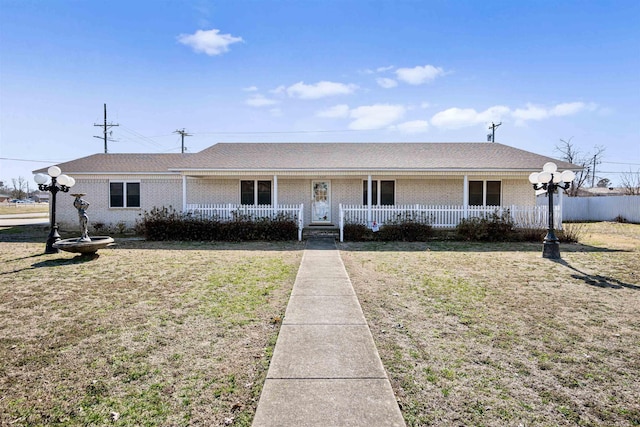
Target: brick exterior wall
<point>154,192</point>
<point>158,191</point>
<point>517,192</point>
<point>213,190</point>
<point>429,191</point>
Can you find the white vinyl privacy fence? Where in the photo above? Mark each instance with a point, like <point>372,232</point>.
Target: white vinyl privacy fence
<point>608,208</point>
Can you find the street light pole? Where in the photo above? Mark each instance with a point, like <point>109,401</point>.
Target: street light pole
<point>550,180</point>
<point>59,182</point>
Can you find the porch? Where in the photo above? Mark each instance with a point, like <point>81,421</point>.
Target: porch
<point>438,216</point>
<point>445,216</point>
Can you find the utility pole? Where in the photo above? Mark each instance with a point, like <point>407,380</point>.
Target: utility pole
<point>105,127</point>
<point>492,136</point>
<point>593,176</point>
<point>182,134</point>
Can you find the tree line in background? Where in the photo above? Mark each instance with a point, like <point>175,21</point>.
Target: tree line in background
<point>21,188</point>
<point>587,177</point>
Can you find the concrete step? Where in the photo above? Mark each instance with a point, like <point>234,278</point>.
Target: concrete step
<point>320,231</point>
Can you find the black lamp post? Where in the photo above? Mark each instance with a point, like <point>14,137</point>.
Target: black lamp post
<point>59,182</point>
<point>550,180</point>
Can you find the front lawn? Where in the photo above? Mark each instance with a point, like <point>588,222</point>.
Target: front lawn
<point>145,334</point>
<point>494,335</point>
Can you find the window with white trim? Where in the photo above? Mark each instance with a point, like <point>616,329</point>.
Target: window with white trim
<point>485,193</point>
<point>124,194</point>
<point>383,193</point>
<point>255,192</point>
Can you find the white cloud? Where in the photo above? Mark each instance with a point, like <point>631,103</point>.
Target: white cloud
<point>456,118</point>
<point>531,112</point>
<point>383,69</point>
<point>377,70</point>
<point>209,42</point>
<point>386,82</point>
<point>419,75</point>
<point>319,90</point>
<point>414,126</point>
<point>375,116</point>
<point>260,101</point>
<point>569,108</point>
<point>337,111</point>
<point>365,117</point>
<point>250,89</point>
<point>279,90</point>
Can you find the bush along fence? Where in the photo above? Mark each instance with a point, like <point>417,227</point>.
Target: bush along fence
<point>439,216</point>
<point>168,224</point>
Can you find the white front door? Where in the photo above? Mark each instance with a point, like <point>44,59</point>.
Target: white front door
<point>321,201</point>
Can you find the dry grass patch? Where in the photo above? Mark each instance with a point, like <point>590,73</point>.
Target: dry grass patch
<point>145,334</point>
<point>492,334</point>
<point>20,208</point>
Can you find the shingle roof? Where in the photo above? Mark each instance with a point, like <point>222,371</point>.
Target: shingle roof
<point>121,162</point>
<point>320,156</point>
<point>356,156</point>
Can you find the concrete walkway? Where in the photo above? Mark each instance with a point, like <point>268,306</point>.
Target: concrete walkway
<point>325,369</point>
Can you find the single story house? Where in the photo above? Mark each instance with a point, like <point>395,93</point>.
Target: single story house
<point>321,184</point>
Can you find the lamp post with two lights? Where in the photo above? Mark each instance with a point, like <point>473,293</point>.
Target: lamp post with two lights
<point>59,182</point>
<point>550,180</point>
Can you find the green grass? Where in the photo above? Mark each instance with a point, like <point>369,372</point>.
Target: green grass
<point>146,334</point>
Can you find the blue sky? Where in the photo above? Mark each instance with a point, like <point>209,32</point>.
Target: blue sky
<point>315,71</point>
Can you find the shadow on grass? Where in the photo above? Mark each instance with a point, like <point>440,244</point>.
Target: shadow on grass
<point>597,280</point>
<point>57,262</point>
<point>78,259</point>
<point>463,246</point>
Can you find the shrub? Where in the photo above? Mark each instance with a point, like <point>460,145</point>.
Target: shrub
<point>488,228</point>
<point>403,229</point>
<point>168,224</point>
<point>621,219</point>
<point>530,234</point>
<point>571,233</point>
<point>357,232</point>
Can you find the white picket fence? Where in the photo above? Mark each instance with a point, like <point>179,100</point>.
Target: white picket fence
<point>443,216</point>
<point>601,208</point>
<point>230,212</point>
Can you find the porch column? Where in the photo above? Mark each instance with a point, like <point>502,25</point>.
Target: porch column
<point>369,217</point>
<point>184,193</point>
<point>275,193</point>
<point>465,196</point>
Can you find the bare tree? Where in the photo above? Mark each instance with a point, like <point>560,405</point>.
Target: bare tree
<point>20,188</point>
<point>571,154</point>
<point>631,183</point>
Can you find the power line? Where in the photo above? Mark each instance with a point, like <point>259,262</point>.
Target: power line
<point>284,132</point>
<point>29,160</point>
<point>182,133</point>
<point>623,163</point>
<point>145,139</point>
<point>106,127</point>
